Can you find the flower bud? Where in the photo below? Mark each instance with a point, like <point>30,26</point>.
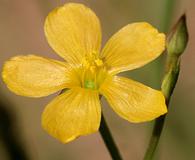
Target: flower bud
<point>178,38</point>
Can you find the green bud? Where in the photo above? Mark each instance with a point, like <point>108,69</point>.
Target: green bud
<point>178,38</point>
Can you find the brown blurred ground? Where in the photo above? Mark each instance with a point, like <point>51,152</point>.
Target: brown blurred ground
<point>21,32</point>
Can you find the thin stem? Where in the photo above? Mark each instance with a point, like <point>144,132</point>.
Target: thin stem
<point>158,126</point>
<point>168,85</point>
<point>176,45</point>
<point>173,72</point>
<point>108,140</point>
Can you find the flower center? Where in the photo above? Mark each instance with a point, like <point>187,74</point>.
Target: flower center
<point>93,71</point>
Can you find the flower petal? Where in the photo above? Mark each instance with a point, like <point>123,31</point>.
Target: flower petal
<point>133,101</point>
<point>73,31</point>
<point>74,113</point>
<point>35,76</point>
<point>133,46</point>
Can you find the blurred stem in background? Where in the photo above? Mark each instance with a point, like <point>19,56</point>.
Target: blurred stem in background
<point>9,134</point>
<point>169,7</point>
<point>176,44</point>
<point>167,15</point>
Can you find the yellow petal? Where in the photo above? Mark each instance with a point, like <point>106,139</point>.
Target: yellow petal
<point>35,76</point>
<point>133,46</point>
<point>133,101</point>
<point>74,113</point>
<point>73,30</point>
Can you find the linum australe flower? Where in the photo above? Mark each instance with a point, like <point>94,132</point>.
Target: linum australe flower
<point>74,32</point>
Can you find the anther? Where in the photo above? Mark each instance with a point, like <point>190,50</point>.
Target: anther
<point>98,62</point>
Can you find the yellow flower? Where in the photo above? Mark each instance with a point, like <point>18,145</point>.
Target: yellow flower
<point>74,32</point>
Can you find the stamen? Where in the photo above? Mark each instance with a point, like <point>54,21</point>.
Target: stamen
<point>92,71</point>
<point>99,62</point>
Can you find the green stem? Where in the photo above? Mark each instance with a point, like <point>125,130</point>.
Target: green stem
<point>168,85</point>
<point>158,126</point>
<point>108,140</point>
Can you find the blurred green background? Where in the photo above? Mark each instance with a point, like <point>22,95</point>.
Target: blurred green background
<point>21,32</point>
